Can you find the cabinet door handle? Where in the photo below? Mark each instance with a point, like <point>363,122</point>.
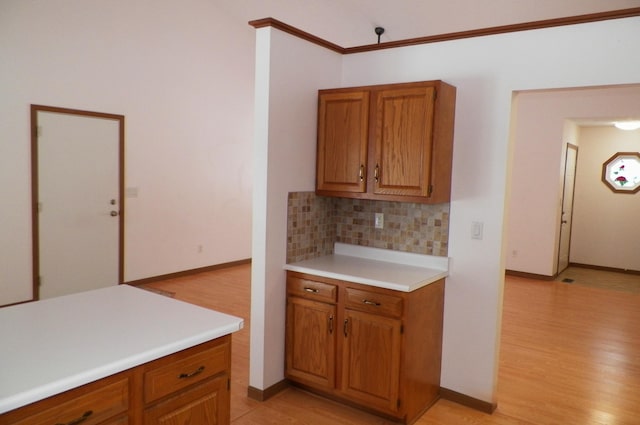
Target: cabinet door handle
<point>79,420</point>
<point>344,327</point>
<point>376,173</point>
<point>312,290</point>
<point>367,302</point>
<point>361,173</point>
<point>198,371</point>
<point>331,324</point>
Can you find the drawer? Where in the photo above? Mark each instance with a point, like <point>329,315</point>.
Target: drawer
<point>311,289</point>
<point>373,302</point>
<point>94,403</point>
<point>203,404</point>
<point>188,367</point>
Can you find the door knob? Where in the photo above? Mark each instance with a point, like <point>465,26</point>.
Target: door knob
<point>114,213</point>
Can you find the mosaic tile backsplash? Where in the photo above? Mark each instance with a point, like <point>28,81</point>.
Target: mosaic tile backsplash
<point>315,223</point>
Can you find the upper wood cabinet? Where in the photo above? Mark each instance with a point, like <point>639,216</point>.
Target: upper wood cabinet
<point>389,142</point>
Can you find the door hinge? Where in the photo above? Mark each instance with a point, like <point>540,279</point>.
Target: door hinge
<point>39,280</point>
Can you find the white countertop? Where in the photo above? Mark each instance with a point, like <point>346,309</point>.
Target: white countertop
<point>53,345</point>
<point>400,271</point>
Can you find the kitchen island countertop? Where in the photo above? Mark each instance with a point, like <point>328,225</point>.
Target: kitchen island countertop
<point>400,271</point>
<point>53,345</point>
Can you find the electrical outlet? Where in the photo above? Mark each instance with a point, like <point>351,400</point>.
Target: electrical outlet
<point>379,221</point>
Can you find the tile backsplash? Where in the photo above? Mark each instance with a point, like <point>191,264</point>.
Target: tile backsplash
<point>314,223</point>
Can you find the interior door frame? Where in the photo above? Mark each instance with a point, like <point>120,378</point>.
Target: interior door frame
<point>575,148</point>
<point>35,226</point>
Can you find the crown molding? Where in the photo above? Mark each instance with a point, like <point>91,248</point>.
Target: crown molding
<point>481,32</point>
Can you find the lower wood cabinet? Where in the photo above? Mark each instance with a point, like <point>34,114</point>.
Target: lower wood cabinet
<point>190,387</point>
<point>373,347</point>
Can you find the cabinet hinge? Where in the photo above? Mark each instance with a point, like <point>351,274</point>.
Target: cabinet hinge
<point>430,190</point>
<point>401,329</point>
<point>435,94</point>
<point>228,384</point>
<point>399,403</point>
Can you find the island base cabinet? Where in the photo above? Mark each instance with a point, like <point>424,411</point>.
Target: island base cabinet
<point>372,347</point>
<point>190,387</point>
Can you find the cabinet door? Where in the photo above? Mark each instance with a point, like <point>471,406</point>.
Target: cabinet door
<point>206,403</point>
<point>310,342</point>
<point>403,141</point>
<point>343,122</point>
<point>371,359</point>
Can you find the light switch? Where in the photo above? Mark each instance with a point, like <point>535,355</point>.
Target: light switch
<point>476,230</point>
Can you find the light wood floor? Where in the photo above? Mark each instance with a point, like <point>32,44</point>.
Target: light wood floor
<point>570,354</point>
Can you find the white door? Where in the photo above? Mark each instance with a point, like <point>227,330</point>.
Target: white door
<point>78,186</point>
<point>567,207</point>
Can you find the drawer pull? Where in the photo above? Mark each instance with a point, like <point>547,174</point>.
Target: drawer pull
<point>79,420</point>
<point>198,371</point>
<point>367,302</point>
<point>312,290</point>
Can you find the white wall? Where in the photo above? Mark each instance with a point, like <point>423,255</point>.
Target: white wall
<point>605,230</point>
<point>182,74</point>
<point>289,72</point>
<point>486,71</point>
<point>540,135</point>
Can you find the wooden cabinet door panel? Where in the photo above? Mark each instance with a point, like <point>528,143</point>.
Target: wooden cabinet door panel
<point>403,141</point>
<point>201,405</point>
<point>343,122</point>
<point>310,342</point>
<point>371,359</point>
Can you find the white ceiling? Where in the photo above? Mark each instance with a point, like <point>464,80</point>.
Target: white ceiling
<point>350,23</point>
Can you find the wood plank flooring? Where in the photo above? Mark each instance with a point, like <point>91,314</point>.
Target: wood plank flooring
<point>570,355</point>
